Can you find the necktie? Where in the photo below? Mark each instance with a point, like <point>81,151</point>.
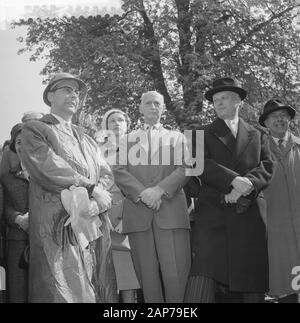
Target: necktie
<point>149,144</point>
<point>280,144</point>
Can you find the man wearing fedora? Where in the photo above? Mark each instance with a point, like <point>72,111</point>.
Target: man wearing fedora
<point>229,238</point>
<point>57,156</point>
<point>282,196</point>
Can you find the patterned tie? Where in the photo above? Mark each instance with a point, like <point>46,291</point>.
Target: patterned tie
<point>280,144</point>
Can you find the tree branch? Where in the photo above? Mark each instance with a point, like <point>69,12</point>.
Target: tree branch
<point>152,55</point>
<point>255,29</point>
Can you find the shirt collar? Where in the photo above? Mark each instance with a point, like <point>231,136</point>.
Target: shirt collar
<point>61,120</point>
<point>285,138</point>
<point>156,126</point>
<point>233,122</point>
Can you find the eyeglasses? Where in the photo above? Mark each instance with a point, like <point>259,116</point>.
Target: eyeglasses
<point>67,90</point>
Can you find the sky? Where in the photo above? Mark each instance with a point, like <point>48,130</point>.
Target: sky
<point>21,85</point>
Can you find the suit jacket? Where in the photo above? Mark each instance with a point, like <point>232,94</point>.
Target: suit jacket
<point>228,246</point>
<point>134,178</point>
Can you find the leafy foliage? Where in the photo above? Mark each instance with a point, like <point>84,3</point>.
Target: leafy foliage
<point>176,47</point>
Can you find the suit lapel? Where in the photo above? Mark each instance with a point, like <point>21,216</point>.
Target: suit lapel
<point>291,143</point>
<point>273,146</point>
<point>244,137</point>
<point>49,119</point>
<point>220,129</point>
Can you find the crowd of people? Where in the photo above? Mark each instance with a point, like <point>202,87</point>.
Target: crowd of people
<point>109,220</point>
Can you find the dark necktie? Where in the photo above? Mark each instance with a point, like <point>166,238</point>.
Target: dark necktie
<point>280,144</point>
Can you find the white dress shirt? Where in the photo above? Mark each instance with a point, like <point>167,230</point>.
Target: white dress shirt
<point>156,127</point>
<point>233,125</point>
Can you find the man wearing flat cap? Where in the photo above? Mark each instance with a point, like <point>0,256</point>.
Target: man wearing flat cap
<point>58,155</point>
<point>229,238</point>
<point>283,216</point>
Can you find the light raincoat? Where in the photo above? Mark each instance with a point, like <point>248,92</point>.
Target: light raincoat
<point>283,217</point>
<point>60,270</point>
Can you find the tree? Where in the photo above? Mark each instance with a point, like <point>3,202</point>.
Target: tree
<point>176,47</point>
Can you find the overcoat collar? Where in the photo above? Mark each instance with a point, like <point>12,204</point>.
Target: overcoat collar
<point>78,132</point>
<point>235,145</point>
<point>220,129</point>
<point>292,141</point>
<point>50,119</point>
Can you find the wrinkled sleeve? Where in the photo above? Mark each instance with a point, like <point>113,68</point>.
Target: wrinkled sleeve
<point>45,167</point>
<point>178,178</point>
<point>11,214</point>
<point>106,179</point>
<point>261,175</point>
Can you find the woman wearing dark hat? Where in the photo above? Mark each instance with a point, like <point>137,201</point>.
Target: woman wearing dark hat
<point>283,212</point>
<point>16,185</point>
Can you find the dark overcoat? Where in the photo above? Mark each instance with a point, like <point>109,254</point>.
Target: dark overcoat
<point>229,246</point>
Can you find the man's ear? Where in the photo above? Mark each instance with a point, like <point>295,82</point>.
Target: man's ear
<point>50,96</point>
<point>141,108</point>
<point>267,124</point>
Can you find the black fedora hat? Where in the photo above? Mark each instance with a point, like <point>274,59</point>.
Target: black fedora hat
<point>225,84</point>
<point>274,105</point>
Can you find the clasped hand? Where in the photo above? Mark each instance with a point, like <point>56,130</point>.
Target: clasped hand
<point>242,186</point>
<point>22,221</point>
<point>103,199</point>
<point>119,227</point>
<point>152,197</point>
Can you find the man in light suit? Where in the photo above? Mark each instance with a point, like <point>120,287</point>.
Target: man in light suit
<point>155,215</point>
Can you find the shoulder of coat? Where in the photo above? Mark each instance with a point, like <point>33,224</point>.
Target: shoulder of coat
<point>295,139</point>
<point>35,124</point>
